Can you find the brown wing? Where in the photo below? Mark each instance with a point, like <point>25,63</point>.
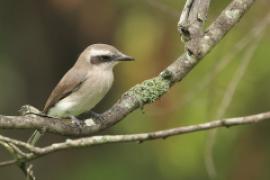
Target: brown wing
<point>69,83</point>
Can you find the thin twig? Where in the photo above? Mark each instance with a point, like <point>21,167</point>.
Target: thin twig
<point>7,163</point>
<point>37,152</point>
<point>18,154</point>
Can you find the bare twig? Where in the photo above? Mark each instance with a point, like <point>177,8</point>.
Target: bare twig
<point>36,152</point>
<point>191,22</point>
<point>7,163</point>
<point>29,172</point>
<point>18,154</point>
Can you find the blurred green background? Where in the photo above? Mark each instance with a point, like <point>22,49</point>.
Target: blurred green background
<point>40,40</point>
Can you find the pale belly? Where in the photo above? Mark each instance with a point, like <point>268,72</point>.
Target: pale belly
<point>84,99</point>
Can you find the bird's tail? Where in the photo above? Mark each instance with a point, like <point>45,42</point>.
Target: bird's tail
<point>35,137</point>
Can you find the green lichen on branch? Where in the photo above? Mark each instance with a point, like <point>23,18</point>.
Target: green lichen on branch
<point>152,89</point>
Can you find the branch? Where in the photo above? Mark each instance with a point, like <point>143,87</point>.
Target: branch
<point>252,35</point>
<point>18,155</point>
<point>36,152</point>
<point>144,93</point>
<point>191,22</point>
<point>7,163</point>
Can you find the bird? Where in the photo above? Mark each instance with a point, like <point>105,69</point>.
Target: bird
<point>84,84</point>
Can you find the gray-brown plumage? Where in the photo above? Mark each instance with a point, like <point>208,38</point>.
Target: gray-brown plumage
<point>68,84</point>
<point>86,83</point>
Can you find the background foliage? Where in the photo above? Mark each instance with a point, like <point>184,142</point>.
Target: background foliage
<point>40,40</point>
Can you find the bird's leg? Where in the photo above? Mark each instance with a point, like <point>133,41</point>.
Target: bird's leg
<point>28,110</point>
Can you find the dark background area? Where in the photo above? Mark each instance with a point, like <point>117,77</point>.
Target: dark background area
<point>40,41</point>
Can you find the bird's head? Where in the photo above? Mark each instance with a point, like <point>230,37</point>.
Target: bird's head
<point>103,56</point>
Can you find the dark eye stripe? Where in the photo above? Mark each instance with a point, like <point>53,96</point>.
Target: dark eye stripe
<point>101,59</point>
<point>105,58</point>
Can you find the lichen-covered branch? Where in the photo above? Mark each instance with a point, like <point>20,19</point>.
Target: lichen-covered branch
<point>36,152</point>
<point>146,92</point>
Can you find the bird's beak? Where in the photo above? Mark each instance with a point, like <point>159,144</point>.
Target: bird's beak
<point>124,57</point>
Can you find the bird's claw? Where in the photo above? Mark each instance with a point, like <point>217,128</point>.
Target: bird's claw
<point>77,121</point>
<point>97,117</point>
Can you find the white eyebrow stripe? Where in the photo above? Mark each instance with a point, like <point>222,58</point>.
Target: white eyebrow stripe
<point>99,52</point>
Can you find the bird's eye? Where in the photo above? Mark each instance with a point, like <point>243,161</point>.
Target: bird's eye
<point>105,57</point>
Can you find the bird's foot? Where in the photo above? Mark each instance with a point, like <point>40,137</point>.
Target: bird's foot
<point>92,118</point>
<point>98,117</point>
<point>77,121</point>
<point>28,110</point>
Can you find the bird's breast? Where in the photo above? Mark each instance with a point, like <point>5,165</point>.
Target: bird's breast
<point>90,92</point>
